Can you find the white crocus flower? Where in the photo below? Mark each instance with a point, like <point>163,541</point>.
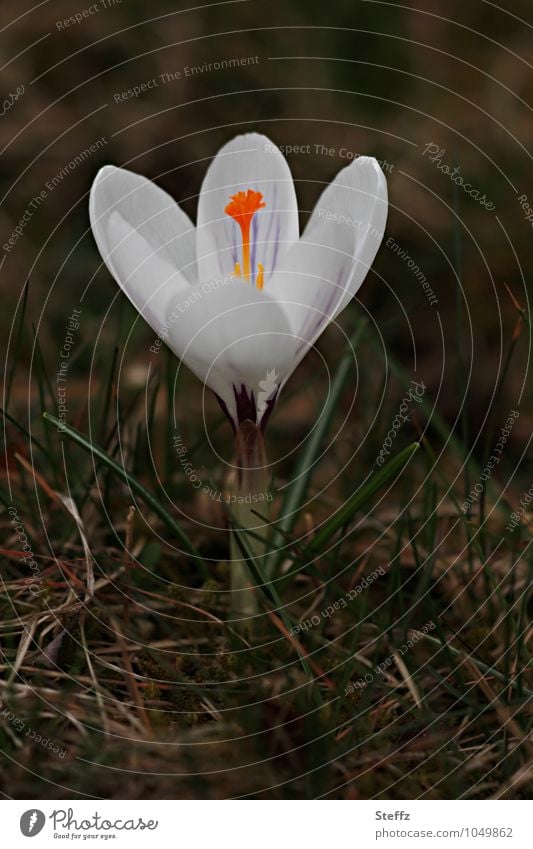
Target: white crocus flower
<point>240,298</point>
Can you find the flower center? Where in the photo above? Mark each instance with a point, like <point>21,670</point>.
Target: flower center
<point>242,208</point>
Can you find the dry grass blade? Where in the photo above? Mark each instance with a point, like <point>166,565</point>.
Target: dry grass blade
<point>504,715</point>
<point>131,678</point>
<point>28,635</point>
<point>408,679</point>
<point>68,503</point>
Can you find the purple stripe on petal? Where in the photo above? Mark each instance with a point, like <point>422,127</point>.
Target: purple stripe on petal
<point>322,315</point>
<point>276,248</point>
<point>273,215</point>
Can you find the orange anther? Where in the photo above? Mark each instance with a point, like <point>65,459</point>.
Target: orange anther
<point>242,208</point>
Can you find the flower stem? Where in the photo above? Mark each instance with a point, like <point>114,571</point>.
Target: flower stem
<point>250,491</point>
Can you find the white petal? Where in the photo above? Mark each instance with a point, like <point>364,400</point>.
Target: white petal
<point>147,279</point>
<point>232,336</point>
<point>144,238</point>
<point>249,161</point>
<point>325,269</point>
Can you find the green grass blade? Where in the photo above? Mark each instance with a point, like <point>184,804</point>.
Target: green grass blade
<point>488,670</point>
<point>108,393</point>
<point>296,494</point>
<point>440,427</point>
<point>345,514</point>
<point>31,438</point>
<point>134,484</point>
<point>17,344</point>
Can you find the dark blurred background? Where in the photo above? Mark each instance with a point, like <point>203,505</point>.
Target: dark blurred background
<point>432,92</point>
<point>355,77</point>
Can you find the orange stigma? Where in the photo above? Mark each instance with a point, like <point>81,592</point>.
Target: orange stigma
<point>242,208</point>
